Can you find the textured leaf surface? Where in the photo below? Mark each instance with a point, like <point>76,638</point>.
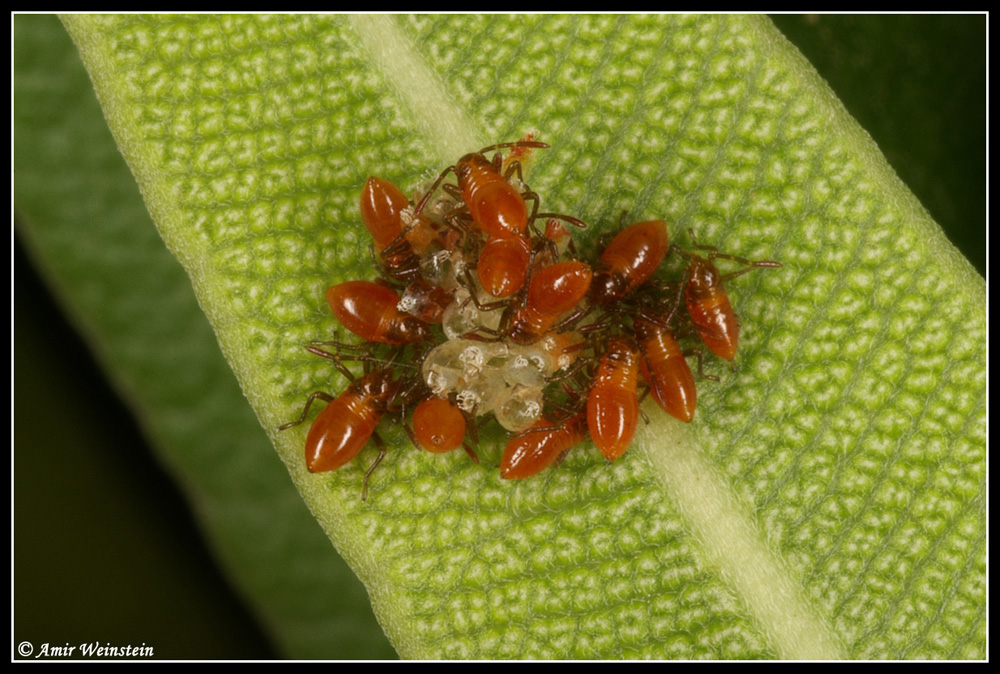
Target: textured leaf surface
<point>828,501</point>
<point>84,219</point>
<point>908,79</point>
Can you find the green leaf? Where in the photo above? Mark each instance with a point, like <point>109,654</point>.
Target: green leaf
<point>113,570</point>
<point>908,80</point>
<point>827,501</point>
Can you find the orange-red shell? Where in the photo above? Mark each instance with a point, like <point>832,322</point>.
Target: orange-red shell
<point>438,425</point>
<point>494,204</point>
<point>552,292</point>
<point>370,311</point>
<point>503,264</point>
<point>345,425</point>
<point>710,310</point>
<point>340,431</point>
<point>666,371</point>
<point>381,206</point>
<point>613,404</point>
<point>532,451</point>
<point>630,259</point>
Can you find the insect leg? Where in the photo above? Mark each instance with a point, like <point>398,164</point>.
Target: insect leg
<point>381,455</point>
<point>326,397</point>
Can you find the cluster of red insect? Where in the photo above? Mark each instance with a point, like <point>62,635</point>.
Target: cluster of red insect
<point>484,309</point>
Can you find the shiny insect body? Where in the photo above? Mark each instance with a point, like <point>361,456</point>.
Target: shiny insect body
<point>707,301</point>
<point>382,206</point>
<point>348,421</point>
<point>665,369</point>
<point>613,401</point>
<point>503,265</point>
<point>496,206</point>
<point>708,305</point>
<point>371,312</point>
<point>439,426</point>
<point>629,260</point>
<point>544,444</point>
<point>499,210</point>
<point>345,425</point>
<point>552,292</point>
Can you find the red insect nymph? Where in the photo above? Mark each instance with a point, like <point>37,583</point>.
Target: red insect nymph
<point>629,260</point>
<point>613,404</point>
<point>371,311</point>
